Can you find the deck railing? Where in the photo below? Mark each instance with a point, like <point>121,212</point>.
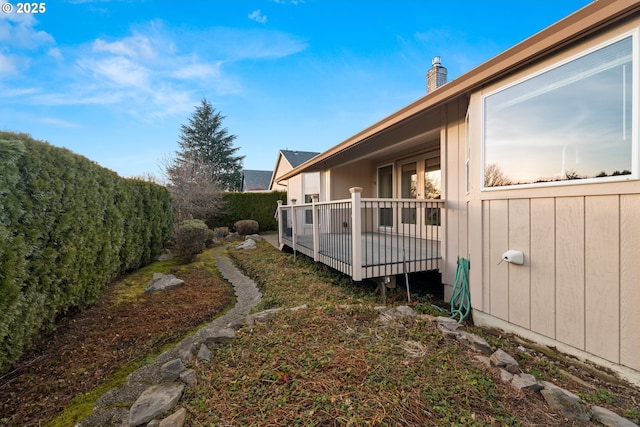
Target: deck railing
<point>366,238</point>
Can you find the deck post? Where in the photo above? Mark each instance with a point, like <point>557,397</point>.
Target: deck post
<point>356,231</point>
<point>316,226</point>
<point>280,224</point>
<point>293,228</point>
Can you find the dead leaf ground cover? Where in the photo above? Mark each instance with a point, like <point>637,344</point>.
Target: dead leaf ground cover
<point>98,347</point>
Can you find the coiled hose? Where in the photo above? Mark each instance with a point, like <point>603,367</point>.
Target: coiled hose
<point>461,299</point>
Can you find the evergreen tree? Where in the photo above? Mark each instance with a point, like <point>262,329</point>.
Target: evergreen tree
<point>207,145</point>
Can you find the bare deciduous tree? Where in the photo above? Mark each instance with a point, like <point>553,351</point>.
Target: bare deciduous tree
<point>494,177</point>
<point>194,194</point>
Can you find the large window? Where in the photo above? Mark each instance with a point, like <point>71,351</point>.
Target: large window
<point>575,121</point>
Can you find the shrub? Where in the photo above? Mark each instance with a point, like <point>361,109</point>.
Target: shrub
<point>260,207</point>
<point>246,227</point>
<point>192,236</point>
<point>67,228</point>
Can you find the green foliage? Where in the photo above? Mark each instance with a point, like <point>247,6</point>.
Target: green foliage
<point>67,228</point>
<point>246,227</point>
<point>260,207</point>
<point>192,236</point>
<point>206,141</point>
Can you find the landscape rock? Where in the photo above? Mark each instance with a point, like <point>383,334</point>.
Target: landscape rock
<point>502,359</point>
<point>526,382</point>
<point>204,353</point>
<point>447,323</point>
<point>161,282</point>
<point>247,244</point>
<point>483,359</point>
<point>262,316</point>
<point>171,370</point>
<point>566,404</point>
<point>405,311</point>
<point>549,385</point>
<point>505,376</point>
<point>155,401</point>
<point>610,419</point>
<point>189,377</point>
<point>474,342</point>
<point>176,419</point>
<point>255,237</point>
<point>212,336</point>
<point>165,255</point>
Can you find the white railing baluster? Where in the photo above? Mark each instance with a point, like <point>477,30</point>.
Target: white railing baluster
<point>316,226</point>
<point>356,231</point>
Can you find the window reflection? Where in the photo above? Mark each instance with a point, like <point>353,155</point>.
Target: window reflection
<point>571,122</point>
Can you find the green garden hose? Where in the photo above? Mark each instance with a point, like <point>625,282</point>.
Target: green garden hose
<point>460,299</point>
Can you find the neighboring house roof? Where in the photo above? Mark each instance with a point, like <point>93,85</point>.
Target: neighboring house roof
<point>296,158</point>
<point>253,180</point>
<point>293,158</point>
<point>577,26</point>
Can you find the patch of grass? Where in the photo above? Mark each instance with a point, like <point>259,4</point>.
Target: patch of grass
<point>132,286</point>
<point>598,397</point>
<point>82,405</point>
<point>337,364</point>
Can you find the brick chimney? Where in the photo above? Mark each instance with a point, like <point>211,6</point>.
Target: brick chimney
<point>436,76</point>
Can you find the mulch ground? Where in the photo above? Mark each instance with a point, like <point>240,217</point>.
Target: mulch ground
<point>91,345</point>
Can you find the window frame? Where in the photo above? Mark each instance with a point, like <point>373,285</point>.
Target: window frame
<point>635,116</point>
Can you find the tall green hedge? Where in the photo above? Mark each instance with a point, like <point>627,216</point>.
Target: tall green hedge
<point>67,228</point>
<point>259,207</point>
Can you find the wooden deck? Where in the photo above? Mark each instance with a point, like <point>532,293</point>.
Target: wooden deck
<point>387,236</point>
<point>382,254</point>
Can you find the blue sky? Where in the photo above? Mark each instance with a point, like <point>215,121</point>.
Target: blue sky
<point>114,80</point>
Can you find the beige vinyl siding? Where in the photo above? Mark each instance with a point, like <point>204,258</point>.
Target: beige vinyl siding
<point>580,283</point>
<point>455,233</point>
<point>542,262</point>
<point>630,280</point>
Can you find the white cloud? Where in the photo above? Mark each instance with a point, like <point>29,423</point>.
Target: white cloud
<point>55,53</point>
<point>57,122</point>
<point>7,65</point>
<point>257,16</point>
<point>197,71</point>
<point>137,46</point>
<point>151,72</point>
<point>17,31</point>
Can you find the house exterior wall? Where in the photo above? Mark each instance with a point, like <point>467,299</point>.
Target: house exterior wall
<point>282,167</point>
<point>579,287</point>
<point>358,174</point>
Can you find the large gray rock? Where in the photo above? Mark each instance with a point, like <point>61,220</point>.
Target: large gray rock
<point>176,419</point>
<point>171,370</point>
<point>609,418</point>
<point>212,336</point>
<point>247,244</point>
<point>155,401</point>
<point>566,404</point>
<point>161,282</point>
<point>204,353</point>
<point>502,359</point>
<point>526,382</point>
<point>474,342</point>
